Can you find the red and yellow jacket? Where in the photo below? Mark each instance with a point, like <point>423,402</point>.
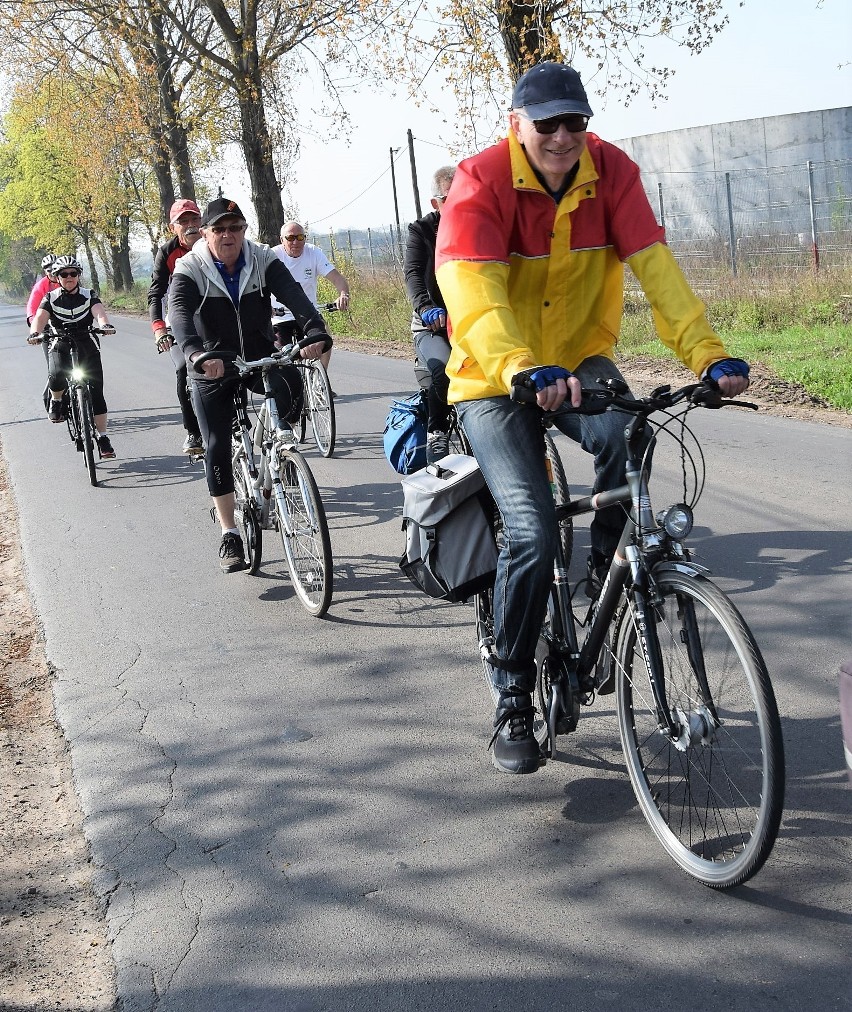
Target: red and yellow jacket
<point>527,282</point>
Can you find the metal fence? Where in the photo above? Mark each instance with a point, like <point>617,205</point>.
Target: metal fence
<point>750,219</point>
<point>796,216</point>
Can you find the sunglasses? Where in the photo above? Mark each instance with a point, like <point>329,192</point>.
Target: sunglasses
<point>299,237</point>
<point>233,229</point>
<point>69,274</point>
<point>573,124</point>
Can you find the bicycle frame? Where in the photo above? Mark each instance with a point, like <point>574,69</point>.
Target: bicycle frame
<point>629,578</point>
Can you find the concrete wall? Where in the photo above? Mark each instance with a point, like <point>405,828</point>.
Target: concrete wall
<point>773,141</point>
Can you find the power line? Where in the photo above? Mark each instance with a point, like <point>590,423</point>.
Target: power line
<point>316,221</point>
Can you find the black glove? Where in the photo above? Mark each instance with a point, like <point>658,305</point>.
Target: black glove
<point>540,376</point>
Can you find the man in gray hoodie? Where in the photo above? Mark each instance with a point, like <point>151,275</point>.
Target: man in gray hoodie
<point>220,301</point>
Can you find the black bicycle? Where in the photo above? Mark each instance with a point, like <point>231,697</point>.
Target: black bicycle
<point>77,399</point>
<point>697,716</point>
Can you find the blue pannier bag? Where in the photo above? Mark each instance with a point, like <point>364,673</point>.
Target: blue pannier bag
<point>405,434</point>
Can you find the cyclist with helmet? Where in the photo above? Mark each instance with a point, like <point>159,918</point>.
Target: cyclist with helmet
<point>40,289</point>
<point>69,305</point>
<point>184,221</point>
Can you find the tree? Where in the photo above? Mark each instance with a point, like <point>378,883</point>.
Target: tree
<point>481,47</point>
<point>242,48</point>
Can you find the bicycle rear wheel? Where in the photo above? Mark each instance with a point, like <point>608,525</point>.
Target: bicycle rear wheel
<point>245,510</point>
<point>304,533</point>
<point>86,422</point>
<point>714,798</point>
<point>321,406</point>
<point>484,616</point>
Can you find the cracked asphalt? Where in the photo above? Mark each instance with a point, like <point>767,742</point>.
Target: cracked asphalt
<point>300,815</point>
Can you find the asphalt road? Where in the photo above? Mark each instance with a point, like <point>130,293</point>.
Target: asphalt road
<point>298,814</point>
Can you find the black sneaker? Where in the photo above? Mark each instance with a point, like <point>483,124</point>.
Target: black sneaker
<point>437,446</point>
<point>193,444</point>
<point>232,557</point>
<point>56,411</point>
<point>105,447</point>
<point>514,748</point>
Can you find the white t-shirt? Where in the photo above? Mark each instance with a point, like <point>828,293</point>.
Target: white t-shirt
<point>306,269</point>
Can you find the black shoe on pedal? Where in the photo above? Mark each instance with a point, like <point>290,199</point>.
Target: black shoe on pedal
<point>56,411</point>
<point>437,446</point>
<point>514,748</point>
<point>105,448</point>
<point>232,557</point>
<point>193,444</point>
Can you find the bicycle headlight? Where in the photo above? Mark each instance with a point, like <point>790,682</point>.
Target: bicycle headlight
<point>676,521</point>
<point>77,375</point>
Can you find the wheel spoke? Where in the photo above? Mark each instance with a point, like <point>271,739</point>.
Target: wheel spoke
<point>714,796</point>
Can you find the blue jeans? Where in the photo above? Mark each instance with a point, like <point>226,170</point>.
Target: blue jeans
<point>508,443</point>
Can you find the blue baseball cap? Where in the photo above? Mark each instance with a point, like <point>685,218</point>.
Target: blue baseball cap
<point>550,89</point>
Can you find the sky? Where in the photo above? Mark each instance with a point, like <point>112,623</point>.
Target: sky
<point>774,57</point>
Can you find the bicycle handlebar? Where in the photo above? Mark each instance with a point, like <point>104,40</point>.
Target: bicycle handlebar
<point>613,394</point>
<point>50,335</point>
<point>286,356</point>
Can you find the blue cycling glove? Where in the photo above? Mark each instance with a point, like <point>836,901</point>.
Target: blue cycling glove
<point>727,367</point>
<point>540,376</point>
<point>430,316</point>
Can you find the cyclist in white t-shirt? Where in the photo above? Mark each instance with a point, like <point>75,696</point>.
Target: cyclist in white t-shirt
<point>307,263</point>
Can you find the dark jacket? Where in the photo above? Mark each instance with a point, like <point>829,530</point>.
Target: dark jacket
<point>419,265</point>
<point>204,318</point>
<point>161,275</point>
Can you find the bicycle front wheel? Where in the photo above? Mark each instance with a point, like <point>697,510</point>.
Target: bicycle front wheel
<point>714,797</point>
<point>245,510</point>
<point>304,533</point>
<point>86,421</point>
<point>561,495</point>
<point>321,407</point>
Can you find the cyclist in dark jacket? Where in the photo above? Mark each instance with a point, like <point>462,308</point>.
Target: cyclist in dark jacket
<point>185,222</point>
<point>77,309</point>
<point>220,301</point>
<point>429,320</point>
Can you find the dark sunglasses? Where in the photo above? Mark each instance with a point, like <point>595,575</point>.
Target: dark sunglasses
<point>299,237</point>
<point>233,229</point>
<point>573,124</point>
<point>69,274</point>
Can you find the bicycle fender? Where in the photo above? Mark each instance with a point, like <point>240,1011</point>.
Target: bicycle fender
<point>685,568</point>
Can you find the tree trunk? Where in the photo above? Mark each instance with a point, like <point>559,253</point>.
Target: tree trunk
<point>257,150</point>
<point>527,35</point>
<point>124,270</point>
<point>173,133</point>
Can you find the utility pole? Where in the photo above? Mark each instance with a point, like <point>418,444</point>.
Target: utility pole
<point>394,151</point>
<point>414,174</point>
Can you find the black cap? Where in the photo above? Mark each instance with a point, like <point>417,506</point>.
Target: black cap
<point>220,208</point>
<point>550,89</point>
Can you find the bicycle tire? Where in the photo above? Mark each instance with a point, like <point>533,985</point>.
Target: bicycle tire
<point>484,618</point>
<point>455,436</point>
<point>321,406</point>
<point>84,407</point>
<point>71,419</point>
<point>304,534</point>
<point>714,804</point>
<point>561,496</point>
<point>246,514</point>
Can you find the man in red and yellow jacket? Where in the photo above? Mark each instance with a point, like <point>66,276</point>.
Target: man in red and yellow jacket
<point>530,255</point>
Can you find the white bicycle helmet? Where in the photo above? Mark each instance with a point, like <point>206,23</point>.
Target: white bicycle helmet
<point>63,263</point>
<point>47,260</point>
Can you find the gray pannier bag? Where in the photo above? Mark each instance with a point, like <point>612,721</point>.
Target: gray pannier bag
<point>450,551</point>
